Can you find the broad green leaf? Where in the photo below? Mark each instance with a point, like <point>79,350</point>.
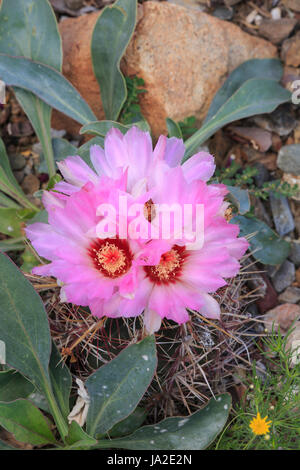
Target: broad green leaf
<point>77,435</point>
<point>29,29</point>
<point>195,432</point>
<point>255,96</point>
<point>61,150</point>
<point>41,216</point>
<point>25,331</point>
<point>112,33</point>
<point>24,325</point>
<point>46,83</point>
<point>12,244</point>
<point>29,260</point>
<point>129,424</point>
<point>6,201</point>
<point>116,388</point>
<point>39,114</point>
<point>13,385</point>
<point>84,150</point>
<point>61,380</point>
<point>8,183</point>
<point>173,128</point>
<point>267,247</point>
<point>253,68</point>
<point>240,198</point>
<point>10,222</point>
<point>25,422</point>
<point>101,128</point>
<point>39,401</point>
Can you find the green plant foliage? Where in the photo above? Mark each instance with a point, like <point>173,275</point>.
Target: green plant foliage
<point>8,183</point>
<point>61,381</point>
<point>253,68</point>
<point>129,424</point>
<point>255,96</point>
<point>10,221</point>
<point>131,111</point>
<point>46,83</point>
<point>188,126</point>
<point>29,29</point>
<point>100,128</point>
<point>78,438</point>
<point>173,128</point>
<point>194,432</point>
<point>25,331</point>
<point>116,388</point>
<point>26,422</point>
<point>252,88</point>
<point>61,150</point>
<point>111,36</point>
<point>275,394</point>
<point>13,386</point>
<point>267,246</point>
<point>240,198</point>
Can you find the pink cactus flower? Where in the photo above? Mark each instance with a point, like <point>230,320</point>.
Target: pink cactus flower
<point>133,152</point>
<point>119,276</point>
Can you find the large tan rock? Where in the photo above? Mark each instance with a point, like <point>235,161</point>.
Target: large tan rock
<point>183,56</point>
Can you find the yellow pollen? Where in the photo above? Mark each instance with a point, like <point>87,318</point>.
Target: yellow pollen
<point>168,263</point>
<point>111,258</point>
<point>259,425</point>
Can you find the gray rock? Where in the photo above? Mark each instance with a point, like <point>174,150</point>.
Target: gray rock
<point>288,159</point>
<point>284,277</point>
<point>17,162</point>
<point>262,174</point>
<point>291,295</point>
<point>74,4</point>
<point>223,13</point>
<point>282,215</point>
<point>280,121</point>
<point>295,253</point>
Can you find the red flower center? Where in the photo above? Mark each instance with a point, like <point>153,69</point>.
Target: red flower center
<point>111,256</point>
<point>170,266</point>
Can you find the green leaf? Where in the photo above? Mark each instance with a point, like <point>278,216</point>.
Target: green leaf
<point>61,380</point>
<point>46,83</point>
<point>129,424</point>
<point>111,36</point>
<point>195,432</point>
<point>13,385</point>
<point>24,325</point>
<point>41,216</point>
<point>117,387</point>
<point>77,435</point>
<point>25,331</point>
<point>267,246</point>
<point>173,128</point>
<point>6,201</point>
<point>255,96</point>
<point>26,422</point>
<point>240,198</point>
<point>12,244</point>
<point>84,150</point>
<point>29,29</point>
<point>253,68</point>
<point>8,183</point>
<point>61,150</point>
<point>101,128</point>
